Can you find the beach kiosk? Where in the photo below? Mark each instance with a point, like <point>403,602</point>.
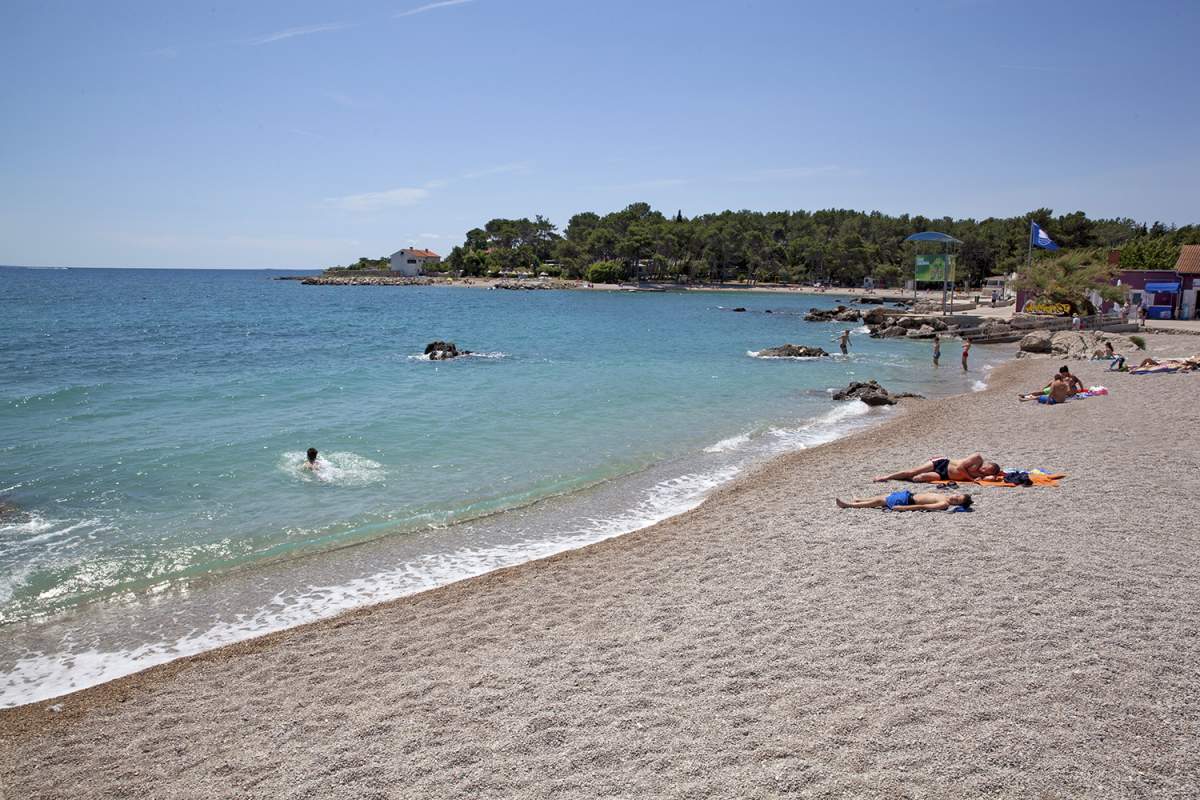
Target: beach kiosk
<point>932,267</point>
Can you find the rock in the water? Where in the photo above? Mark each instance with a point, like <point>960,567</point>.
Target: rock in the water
<point>871,393</point>
<point>792,351</point>
<point>892,332</point>
<point>1036,342</point>
<point>875,316</point>
<point>440,351</point>
<point>848,315</point>
<point>825,314</point>
<point>923,332</point>
<point>739,309</point>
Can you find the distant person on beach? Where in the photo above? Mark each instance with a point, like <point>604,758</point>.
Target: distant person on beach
<point>941,468</point>
<point>1071,383</point>
<point>310,462</point>
<point>966,353</point>
<point>844,342</point>
<point>1142,316</point>
<point>1057,392</point>
<point>905,500</point>
<point>937,349</point>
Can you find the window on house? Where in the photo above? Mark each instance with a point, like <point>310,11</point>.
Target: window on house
<point>412,261</point>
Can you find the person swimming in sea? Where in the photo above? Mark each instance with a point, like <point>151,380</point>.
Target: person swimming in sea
<point>947,469</point>
<point>310,461</point>
<point>905,500</point>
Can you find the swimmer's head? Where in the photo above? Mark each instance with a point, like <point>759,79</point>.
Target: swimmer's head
<point>312,454</point>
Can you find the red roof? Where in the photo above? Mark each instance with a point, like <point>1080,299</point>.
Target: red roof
<point>1189,260</point>
<point>410,251</point>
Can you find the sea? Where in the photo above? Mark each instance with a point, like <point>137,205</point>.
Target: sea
<point>153,423</point>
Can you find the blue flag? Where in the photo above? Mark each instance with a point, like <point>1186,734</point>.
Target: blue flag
<point>1039,238</point>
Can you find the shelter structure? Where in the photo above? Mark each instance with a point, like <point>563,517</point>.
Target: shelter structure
<point>945,245</point>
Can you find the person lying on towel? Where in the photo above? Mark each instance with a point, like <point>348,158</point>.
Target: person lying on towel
<point>940,468</point>
<point>1168,365</point>
<point>905,500</point>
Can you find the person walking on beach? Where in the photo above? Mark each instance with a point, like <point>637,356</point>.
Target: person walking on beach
<point>966,353</point>
<point>844,342</point>
<point>905,500</point>
<point>937,349</point>
<point>310,461</point>
<point>1142,316</point>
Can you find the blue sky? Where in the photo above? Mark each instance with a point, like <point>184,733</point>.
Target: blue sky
<point>303,134</point>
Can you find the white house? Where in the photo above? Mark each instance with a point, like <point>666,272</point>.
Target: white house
<point>410,261</point>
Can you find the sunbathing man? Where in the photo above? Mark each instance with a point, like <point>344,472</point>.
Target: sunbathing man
<point>1073,386</point>
<point>1057,392</point>
<point>947,469</point>
<point>905,500</point>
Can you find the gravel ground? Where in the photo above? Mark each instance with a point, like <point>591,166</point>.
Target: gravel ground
<point>764,645</point>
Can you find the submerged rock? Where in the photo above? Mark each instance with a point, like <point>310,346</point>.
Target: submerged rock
<point>871,393</point>
<point>440,351</point>
<point>792,351</point>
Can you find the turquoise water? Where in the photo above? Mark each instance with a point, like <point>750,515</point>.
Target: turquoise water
<point>152,424</point>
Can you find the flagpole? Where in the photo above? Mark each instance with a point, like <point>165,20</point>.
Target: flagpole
<point>1029,258</point>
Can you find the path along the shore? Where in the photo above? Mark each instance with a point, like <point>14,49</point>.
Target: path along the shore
<point>766,644</point>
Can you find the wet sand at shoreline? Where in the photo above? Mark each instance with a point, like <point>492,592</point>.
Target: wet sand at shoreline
<point>762,645</point>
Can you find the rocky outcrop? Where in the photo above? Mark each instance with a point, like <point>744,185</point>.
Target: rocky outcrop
<point>821,314</point>
<point>849,315</point>
<point>1037,342</point>
<point>1086,344</point>
<point>871,393</point>
<point>875,316</point>
<point>738,310</point>
<point>440,351</point>
<point>792,351</point>
<point>883,325</point>
<point>364,280</point>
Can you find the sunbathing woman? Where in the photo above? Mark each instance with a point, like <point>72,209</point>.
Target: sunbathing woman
<point>947,469</point>
<point>1168,365</point>
<point>905,500</point>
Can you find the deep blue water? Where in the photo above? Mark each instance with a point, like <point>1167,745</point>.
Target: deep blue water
<point>152,424</point>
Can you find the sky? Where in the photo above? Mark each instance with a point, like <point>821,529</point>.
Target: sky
<point>305,134</point>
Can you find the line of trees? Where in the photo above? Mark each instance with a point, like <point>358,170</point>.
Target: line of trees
<point>834,246</point>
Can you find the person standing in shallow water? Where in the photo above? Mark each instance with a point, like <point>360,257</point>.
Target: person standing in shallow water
<point>310,461</point>
<point>937,349</point>
<point>966,353</point>
<point>844,342</point>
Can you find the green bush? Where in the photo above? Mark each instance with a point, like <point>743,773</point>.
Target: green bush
<point>605,272</point>
<point>1139,341</point>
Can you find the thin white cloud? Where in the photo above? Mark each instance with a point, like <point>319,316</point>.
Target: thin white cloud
<point>790,173</point>
<point>431,7</point>
<point>653,183</point>
<point>377,201</point>
<point>430,236</point>
<point>517,166</point>
<point>288,33</point>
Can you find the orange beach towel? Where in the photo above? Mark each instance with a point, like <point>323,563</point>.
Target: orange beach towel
<point>1036,478</point>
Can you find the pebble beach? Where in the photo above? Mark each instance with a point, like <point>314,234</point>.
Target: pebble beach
<point>766,644</point>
